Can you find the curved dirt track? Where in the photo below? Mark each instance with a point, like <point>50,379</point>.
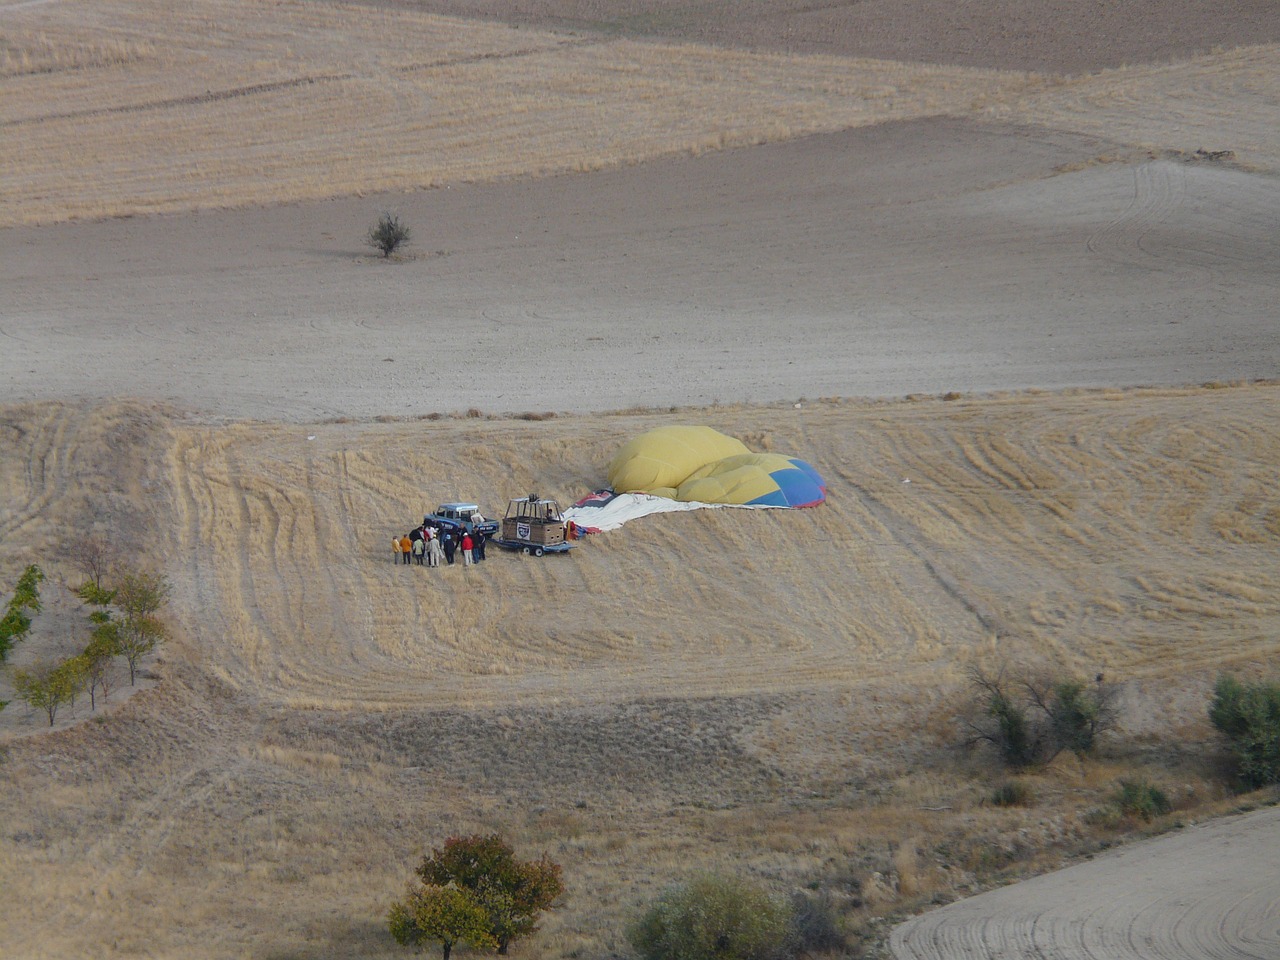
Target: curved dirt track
<point>280,538</point>
<point>1208,892</point>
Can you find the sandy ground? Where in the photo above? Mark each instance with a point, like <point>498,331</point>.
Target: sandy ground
<point>913,258</point>
<point>318,706</point>
<point>1201,893</point>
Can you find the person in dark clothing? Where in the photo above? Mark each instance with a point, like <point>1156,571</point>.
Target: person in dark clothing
<point>477,546</point>
<point>450,544</point>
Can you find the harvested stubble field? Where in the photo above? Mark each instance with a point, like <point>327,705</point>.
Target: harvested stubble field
<point>115,109</point>
<point>934,193</point>
<point>728,689</point>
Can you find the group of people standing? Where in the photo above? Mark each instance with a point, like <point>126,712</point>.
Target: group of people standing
<point>429,545</point>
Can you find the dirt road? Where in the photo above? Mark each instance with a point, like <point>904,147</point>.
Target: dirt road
<point>1209,892</point>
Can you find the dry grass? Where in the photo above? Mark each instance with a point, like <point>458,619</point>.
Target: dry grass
<point>727,689</point>
<point>1220,101</point>
<point>301,101</point>
<point>123,108</point>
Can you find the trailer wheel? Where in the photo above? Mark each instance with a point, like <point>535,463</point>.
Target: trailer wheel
<point>537,551</point>
<point>526,551</point>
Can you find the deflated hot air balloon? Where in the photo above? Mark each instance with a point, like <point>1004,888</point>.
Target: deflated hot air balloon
<point>764,479</point>
<point>699,464</point>
<point>659,461</point>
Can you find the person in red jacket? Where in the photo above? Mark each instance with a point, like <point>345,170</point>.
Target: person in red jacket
<point>467,545</point>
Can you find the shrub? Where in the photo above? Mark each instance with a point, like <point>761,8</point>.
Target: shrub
<point>388,234</point>
<point>1013,793</point>
<point>816,924</point>
<point>1248,714</point>
<point>1138,798</point>
<point>712,918</point>
<point>92,592</point>
<point>1074,712</point>
<point>1031,721</point>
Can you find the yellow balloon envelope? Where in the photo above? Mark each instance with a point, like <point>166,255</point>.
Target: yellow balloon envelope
<point>702,465</point>
<point>666,456</point>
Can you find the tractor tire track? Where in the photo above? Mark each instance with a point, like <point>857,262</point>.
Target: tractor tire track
<point>1159,193</point>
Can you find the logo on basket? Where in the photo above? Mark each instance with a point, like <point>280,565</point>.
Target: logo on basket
<point>522,531</point>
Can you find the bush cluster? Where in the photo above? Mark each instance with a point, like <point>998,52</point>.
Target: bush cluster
<point>1248,714</point>
<point>1013,793</point>
<point>712,918</point>
<point>1030,721</point>
<point>1138,798</point>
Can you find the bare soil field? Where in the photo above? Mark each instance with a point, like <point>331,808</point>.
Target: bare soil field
<point>1055,37</point>
<point>992,277</point>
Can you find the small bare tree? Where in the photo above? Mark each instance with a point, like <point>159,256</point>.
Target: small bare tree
<point>99,657</point>
<point>93,556</point>
<point>388,234</point>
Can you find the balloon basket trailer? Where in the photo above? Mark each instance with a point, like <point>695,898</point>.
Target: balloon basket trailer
<point>534,526</point>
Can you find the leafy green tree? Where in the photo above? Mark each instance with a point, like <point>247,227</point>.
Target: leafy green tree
<point>514,892</point>
<point>47,686</point>
<point>388,234</point>
<point>139,597</point>
<point>142,594</point>
<point>1248,715</point>
<point>447,915</point>
<point>712,918</point>
<point>138,638</point>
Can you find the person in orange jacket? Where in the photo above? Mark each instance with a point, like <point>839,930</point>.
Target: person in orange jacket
<point>406,548</point>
